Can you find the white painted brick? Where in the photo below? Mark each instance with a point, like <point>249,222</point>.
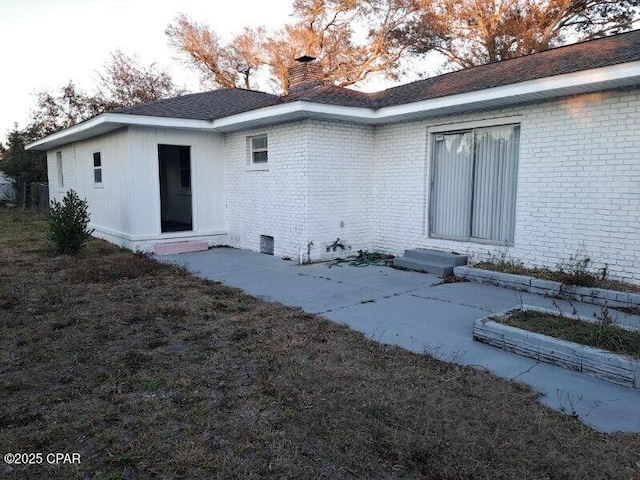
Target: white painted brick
<point>576,189</point>
<point>317,189</point>
<point>578,185</point>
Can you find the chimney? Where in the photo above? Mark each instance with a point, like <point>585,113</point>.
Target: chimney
<point>304,75</point>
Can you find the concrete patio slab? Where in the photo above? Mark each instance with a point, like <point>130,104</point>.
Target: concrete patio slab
<point>420,313</point>
<point>312,294</point>
<point>385,279</point>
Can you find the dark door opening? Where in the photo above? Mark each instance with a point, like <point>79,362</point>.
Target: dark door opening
<point>175,188</point>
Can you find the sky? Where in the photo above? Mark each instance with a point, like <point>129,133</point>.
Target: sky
<point>46,43</point>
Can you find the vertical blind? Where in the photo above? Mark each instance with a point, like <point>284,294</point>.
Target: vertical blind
<point>452,184</point>
<point>473,190</point>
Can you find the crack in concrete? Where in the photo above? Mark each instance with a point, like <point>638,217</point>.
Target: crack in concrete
<point>365,301</point>
<point>426,297</point>
<point>372,300</point>
<point>397,294</point>
<point>526,371</point>
<point>356,283</point>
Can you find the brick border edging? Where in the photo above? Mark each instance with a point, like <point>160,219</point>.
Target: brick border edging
<point>596,296</point>
<point>601,364</point>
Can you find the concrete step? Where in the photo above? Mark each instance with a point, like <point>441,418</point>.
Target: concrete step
<point>430,261</point>
<point>171,248</point>
<point>440,269</point>
<point>436,256</point>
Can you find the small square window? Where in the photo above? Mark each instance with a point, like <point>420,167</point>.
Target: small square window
<point>259,149</point>
<point>97,167</point>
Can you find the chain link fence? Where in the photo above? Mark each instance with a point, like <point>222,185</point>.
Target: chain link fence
<point>39,198</point>
<point>32,196</point>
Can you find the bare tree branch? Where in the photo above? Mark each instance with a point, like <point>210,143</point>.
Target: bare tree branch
<point>473,32</point>
<point>351,39</point>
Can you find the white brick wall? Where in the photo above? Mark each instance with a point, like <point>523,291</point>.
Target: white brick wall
<point>316,188</point>
<point>269,202</point>
<point>578,184</point>
<point>341,175</point>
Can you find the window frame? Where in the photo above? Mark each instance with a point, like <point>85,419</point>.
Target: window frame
<point>458,128</point>
<point>60,169</point>
<point>97,168</point>
<point>182,168</point>
<point>253,150</point>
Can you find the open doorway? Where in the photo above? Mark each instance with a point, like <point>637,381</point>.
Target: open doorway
<point>175,188</point>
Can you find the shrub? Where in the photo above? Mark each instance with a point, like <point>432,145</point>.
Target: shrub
<point>68,223</point>
<point>577,270</point>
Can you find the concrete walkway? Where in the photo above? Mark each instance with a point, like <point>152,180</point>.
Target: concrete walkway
<point>420,313</point>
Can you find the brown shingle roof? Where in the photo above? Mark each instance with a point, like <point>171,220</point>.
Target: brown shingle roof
<point>332,95</point>
<point>603,52</point>
<point>204,106</point>
<point>216,104</point>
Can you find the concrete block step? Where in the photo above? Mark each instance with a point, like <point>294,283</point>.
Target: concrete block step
<point>436,256</point>
<point>172,248</point>
<point>436,268</point>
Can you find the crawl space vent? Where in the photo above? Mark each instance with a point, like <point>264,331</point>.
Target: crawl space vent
<point>266,244</point>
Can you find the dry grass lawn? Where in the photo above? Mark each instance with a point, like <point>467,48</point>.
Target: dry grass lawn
<point>148,372</point>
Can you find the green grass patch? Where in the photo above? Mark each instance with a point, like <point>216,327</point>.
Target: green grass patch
<point>601,334</point>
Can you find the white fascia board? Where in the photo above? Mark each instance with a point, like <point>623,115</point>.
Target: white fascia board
<point>157,122</point>
<point>107,122</point>
<point>298,110</point>
<point>621,75</point>
<point>57,137</point>
<point>540,89</point>
<point>533,90</point>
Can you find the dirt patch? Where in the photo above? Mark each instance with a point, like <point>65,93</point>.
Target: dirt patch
<point>150,373</point>
<point>629,310</point>
<point>579,277</point>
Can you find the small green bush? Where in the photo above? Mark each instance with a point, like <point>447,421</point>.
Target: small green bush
<point>68,223</point>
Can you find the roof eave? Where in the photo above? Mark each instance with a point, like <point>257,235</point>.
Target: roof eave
<point>299,110</point>
<point>108,122</point>
<point>547,88</point>
<point>586,81</point>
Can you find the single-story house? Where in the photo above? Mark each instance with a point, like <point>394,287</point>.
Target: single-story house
<point>536,158</point>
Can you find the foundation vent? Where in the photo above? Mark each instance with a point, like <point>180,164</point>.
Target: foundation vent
<point>266,244</point>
